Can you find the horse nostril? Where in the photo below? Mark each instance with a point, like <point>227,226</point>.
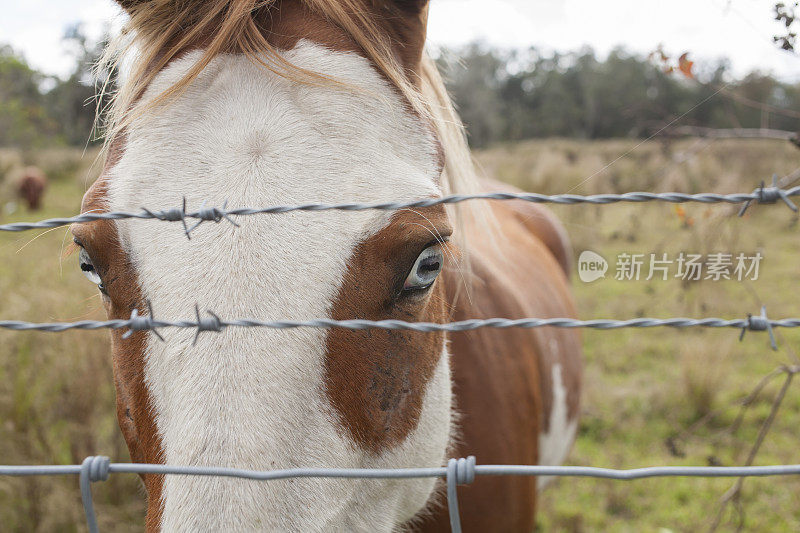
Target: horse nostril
<point>128,414</point>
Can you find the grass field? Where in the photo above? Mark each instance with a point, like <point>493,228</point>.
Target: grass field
<point>652,397</point>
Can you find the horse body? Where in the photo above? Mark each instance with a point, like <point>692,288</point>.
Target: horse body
<point>516,391</point>
<point>264,399</point>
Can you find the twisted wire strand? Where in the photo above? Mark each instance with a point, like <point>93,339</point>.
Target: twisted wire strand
<point>763,195</point>
<point>142,323</point>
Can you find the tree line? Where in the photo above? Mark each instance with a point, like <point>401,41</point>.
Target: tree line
<point>502,96</point>
<point>514,95</point>
<point>38,109</point>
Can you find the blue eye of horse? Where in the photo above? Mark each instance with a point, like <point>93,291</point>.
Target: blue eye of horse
<point>88,268</point>
<point>426,269</point>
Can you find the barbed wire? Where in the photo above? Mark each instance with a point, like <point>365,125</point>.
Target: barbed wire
<point>213,323</point>
<point>457,472</point>
<point>762,195</point>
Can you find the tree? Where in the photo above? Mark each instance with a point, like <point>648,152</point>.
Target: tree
<point>72,102</point>
<point>787,14</point>
<point>24,120</point>
<point>506,96</point>
<point>475,83</point>
<point>31,117</point>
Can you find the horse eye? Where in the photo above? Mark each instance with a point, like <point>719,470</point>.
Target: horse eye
<point>426,269</point>
<point>88,268</point>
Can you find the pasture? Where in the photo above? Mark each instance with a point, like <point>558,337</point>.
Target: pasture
<point>652,397</point>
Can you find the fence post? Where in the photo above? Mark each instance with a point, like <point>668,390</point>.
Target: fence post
<point>94,468</point>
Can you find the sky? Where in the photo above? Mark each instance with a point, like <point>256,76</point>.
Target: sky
<point>740,30</point>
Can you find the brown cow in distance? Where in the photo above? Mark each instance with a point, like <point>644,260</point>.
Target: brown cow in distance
<point>31,187</point>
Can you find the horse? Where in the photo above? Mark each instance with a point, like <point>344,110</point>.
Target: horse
<point>282,102</point>
<point>31,187</point>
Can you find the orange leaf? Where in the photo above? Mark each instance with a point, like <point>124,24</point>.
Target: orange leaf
<point>686,66</point>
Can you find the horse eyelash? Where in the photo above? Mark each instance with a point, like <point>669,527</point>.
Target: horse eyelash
<point>71,249</point>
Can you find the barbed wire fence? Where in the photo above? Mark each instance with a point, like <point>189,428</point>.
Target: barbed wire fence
<point>458,471</point>
<point>764,194</point>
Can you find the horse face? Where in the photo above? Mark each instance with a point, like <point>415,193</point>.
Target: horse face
<point>270,399</point>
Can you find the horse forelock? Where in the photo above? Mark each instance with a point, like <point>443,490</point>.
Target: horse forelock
<point>391,34</point>
<point>391,38</point>
<point>265,399</point>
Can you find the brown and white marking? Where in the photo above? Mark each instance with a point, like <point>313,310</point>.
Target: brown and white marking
<point>262,399</point>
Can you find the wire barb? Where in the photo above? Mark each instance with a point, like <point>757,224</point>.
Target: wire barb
<point>209,323</point>
<point>139,322</point>
<point>168,215</point>
<point>759,323</point>
<point>207,214</point>
<point>769,195</point>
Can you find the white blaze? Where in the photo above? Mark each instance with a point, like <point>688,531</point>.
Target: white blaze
<point>255,398</point>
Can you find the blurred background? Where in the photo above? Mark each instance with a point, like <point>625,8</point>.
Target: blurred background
<point>558,96</point>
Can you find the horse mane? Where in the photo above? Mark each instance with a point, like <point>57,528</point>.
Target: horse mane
<point>159,31</point>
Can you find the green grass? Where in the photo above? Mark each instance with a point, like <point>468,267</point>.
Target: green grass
<point>643,390</point>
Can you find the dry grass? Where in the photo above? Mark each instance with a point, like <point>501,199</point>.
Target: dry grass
<point>655,397</point>
<point>56,390</point>
<point>645,391</point>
